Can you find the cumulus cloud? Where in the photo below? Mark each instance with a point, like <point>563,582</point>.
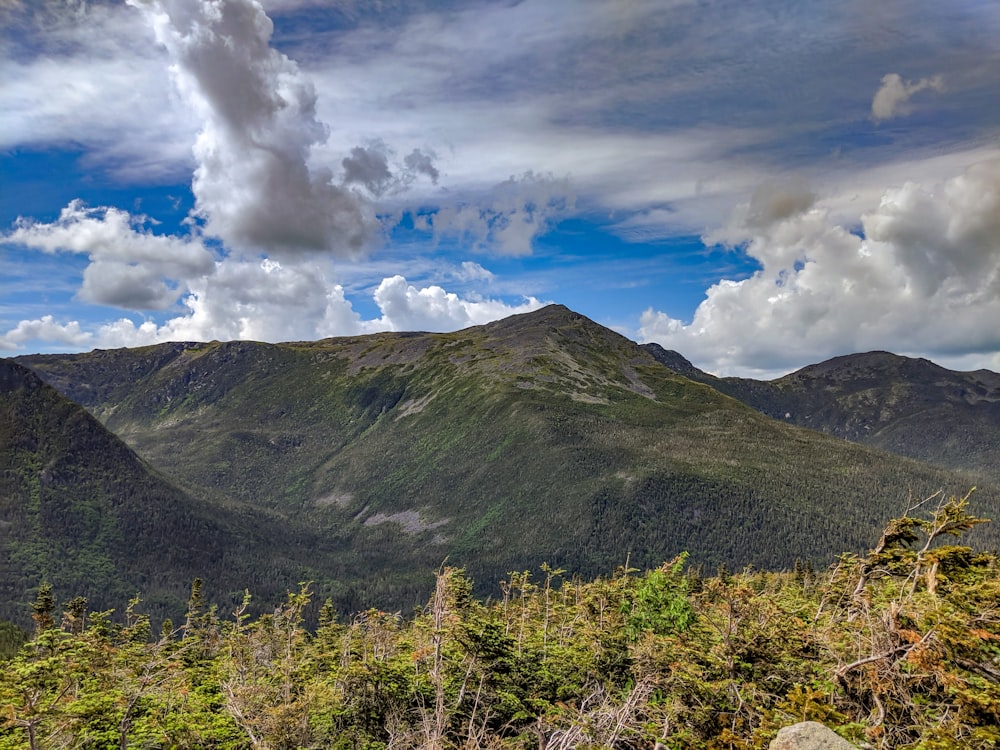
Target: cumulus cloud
<point>253,184</point>
<point>129,266</point>
<point>406,308</point>
<point>265,300</point>
<point>256,300</point>
<point>509,217</point>
<point>921,275</point>
<point>893,97</point>
<point>45,329</point>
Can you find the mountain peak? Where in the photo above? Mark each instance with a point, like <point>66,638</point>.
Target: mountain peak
<point>869,364</point>
<point>557,326</point>
<point>14,377</point>
<point>550,315</point>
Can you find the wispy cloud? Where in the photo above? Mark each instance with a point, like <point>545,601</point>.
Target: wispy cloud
<point>507,217</point>
<point>90,75</point>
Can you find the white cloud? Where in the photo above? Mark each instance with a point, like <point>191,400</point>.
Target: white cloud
<point>129,266</point>
<point>253,184</point>
<point>253,300</point>
<point>270,301</point>
<point>893,97</point>
<point>925,278</point>
<point>406,308</point>
<point>45,329</point>
<point>471,271</point>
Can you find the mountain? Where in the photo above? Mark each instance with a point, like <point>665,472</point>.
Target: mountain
<point>912,407</point>
<point>80,509</point>
<point>543,437</point>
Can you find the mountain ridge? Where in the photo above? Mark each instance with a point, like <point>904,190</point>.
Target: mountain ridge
<point>76,500</point>
<point>909,406</point>
<point>539,438</point>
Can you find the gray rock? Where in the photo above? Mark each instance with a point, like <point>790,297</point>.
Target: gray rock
<point>809,735</point>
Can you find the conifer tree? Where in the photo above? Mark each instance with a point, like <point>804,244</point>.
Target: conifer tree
<point>43,608</point>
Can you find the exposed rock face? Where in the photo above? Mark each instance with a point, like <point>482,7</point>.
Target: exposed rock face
<point>809,735</point>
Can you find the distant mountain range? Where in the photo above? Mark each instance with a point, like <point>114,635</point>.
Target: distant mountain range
<point>362,463</point>
<point>912,407</point>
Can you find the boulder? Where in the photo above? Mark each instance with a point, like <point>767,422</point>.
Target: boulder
<point>809,735</point>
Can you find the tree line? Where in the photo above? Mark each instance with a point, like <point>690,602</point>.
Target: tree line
<point>898,648</point>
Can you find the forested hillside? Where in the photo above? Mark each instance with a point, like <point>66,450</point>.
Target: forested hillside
<point>542,437</point>
<point>79,509</point>
<point>898,648</point>
<point>909,406</point>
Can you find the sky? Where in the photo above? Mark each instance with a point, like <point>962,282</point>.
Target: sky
<point>757,184</point>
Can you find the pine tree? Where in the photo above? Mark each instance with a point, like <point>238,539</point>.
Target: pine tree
<point>43,608</point>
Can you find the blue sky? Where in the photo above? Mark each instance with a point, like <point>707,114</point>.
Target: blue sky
<point>758,185</point>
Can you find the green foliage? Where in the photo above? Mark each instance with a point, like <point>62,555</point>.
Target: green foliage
<point>895,649</point>
<point>360,463</point>
<point>43,608</point>
<point>658,603</point>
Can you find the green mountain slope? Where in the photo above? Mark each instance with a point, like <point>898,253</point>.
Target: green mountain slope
<point>79,509</point>
<point>542,437</point>
<point>912,407</point>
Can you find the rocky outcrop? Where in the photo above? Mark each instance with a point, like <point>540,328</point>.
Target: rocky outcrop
<point>809,735</point>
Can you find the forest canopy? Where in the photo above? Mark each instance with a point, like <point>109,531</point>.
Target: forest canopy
<point>896,648</point>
